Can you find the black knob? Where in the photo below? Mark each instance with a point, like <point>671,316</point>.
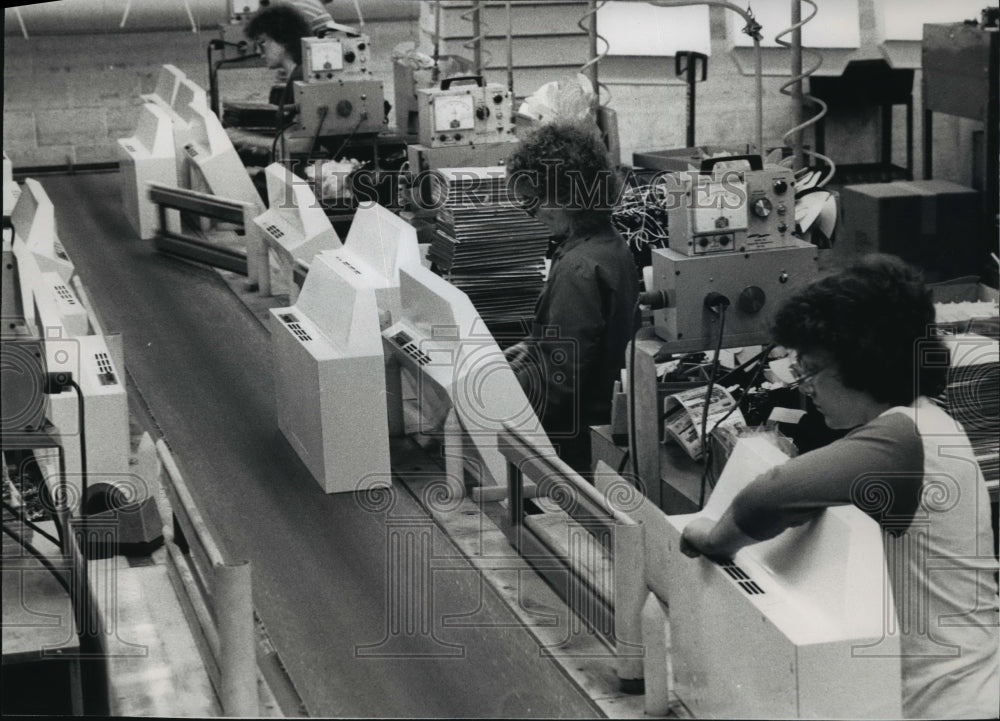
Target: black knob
<point>780,186</point>
<point>703,241</point>
<point>751,299</point>
<point>762,207</point>
<point>782,227</point>
<point>443,137</point>
<point>725,240</point>
<point>344,108</point>
<point>497,99</point>
<point>458,136</point>
<point>349,56</point>
<point>362,46</point>
<point>482,112</point>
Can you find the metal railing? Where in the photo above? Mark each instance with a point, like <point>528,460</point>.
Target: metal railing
<point>216,593</point>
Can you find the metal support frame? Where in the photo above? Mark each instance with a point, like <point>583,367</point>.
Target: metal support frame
<point>252,262</point>
<point>91,690</point>
<point>618,533</point>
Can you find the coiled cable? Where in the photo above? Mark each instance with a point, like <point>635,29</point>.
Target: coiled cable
<point>588,23</point>
<point>480,31</point>
<point>795,82</point>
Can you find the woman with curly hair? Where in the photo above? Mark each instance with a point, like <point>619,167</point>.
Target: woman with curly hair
<point>864,356</point>
<point>584,317</point>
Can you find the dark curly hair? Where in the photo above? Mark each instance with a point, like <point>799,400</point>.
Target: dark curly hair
<point>283,24</point>
<point>567,165</point>
<point>872,319</point>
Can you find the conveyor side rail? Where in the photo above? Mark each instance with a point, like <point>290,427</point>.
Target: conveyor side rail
<point>613,610</point>
<point>238,213</point>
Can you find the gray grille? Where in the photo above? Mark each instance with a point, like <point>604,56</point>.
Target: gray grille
<point>295,326</point>
<point>64,293</point>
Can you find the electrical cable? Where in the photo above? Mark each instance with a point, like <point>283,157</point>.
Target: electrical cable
<point>762,358</point>
<point>274,142</point>
<point>480,31</point>
<point>596,56</point>
<point>30,524</point>
<point>280,129</point>
<point>40,557</point>
<point>323,112</point>
<point>88,621</point>
<point>799,76</point>
<point>436,72</point>
<point>83,444</point>
<point>640,216</point>
<point>348,138</point>
<point>708,403</point>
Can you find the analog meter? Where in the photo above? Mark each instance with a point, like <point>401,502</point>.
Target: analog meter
<point>454,112</point>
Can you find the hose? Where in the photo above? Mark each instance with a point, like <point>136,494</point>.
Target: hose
<point>793,88</point>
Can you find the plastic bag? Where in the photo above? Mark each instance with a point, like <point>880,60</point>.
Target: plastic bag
<point>568,100</point>
<point>335,176</point>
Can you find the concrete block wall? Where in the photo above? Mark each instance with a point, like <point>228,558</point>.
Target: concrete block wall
<point>651,103</point>
<point>68,98</point>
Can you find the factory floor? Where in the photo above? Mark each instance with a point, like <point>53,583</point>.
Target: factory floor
<point>323,572</point>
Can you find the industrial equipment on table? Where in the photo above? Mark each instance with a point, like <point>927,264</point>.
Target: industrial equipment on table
<point>465,387</point>
<point>485,244</point>
<point>730,239</point>
<point>295,228</point>
<point>762,634</point>
<point>64,375</point>
<point>337,95</point>
<point>330,379</point>
<point>465,111</point>
<point>464,122</point>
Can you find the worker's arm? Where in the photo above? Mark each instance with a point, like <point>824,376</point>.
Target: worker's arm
<point>878,467</point>
<point>716,539</point>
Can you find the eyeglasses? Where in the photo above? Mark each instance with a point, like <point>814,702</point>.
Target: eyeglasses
<point>804,379</point>
<point>529,205</point>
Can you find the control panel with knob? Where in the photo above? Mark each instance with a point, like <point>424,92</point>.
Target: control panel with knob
<point>731,209</point>
<point>482,112</point>
<point>336,55</point>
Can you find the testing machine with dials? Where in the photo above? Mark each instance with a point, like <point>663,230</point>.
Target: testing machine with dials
<point>731,245</point>
<point>464,122</point>
<point>337,95</point>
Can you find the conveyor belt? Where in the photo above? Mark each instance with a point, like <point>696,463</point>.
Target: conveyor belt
<point>201,362</point>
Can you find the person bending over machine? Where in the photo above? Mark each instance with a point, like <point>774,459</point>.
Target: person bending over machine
<point>860,337</point>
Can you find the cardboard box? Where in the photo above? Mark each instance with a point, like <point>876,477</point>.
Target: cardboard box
<point>933,224</point>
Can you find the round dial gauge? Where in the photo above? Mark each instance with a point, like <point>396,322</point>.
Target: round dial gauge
<point>454,112</point>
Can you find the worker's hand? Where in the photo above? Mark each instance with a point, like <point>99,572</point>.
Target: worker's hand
<point>516,354</point>
<point>695,540</point>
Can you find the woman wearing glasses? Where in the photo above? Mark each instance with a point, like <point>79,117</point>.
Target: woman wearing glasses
<point>865,358</point>
<point>277,31</point>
